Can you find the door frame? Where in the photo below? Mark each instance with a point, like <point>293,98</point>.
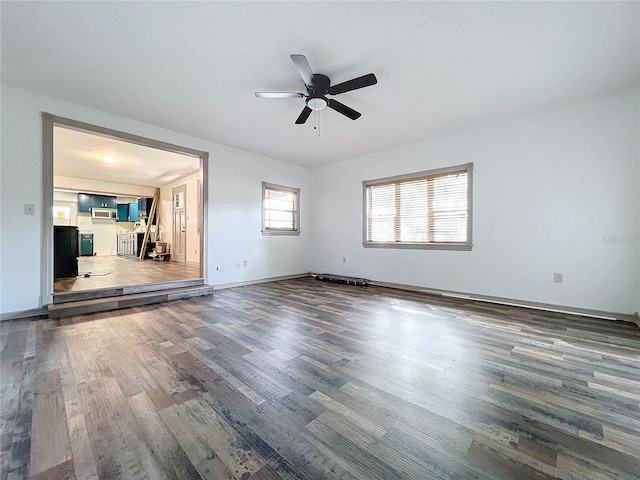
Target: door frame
<point>49,121</point>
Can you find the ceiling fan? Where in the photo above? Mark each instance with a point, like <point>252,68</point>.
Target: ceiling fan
<point>318,87</point>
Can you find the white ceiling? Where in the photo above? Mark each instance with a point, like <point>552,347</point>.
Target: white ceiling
<point>79,154</point>
<point>193,67</point>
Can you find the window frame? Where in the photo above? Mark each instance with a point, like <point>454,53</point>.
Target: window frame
<point>282,188</point>
<point>467,246</point>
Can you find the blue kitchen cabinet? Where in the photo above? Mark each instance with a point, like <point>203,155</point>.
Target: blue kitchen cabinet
<point>87,201</point>
<point>123,212</point>
<point>104,201</point>
<point>133,212</point>
<point>84,202</point>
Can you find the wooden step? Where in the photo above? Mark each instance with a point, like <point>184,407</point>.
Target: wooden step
<point>94,305</point>
<point>67,297</point>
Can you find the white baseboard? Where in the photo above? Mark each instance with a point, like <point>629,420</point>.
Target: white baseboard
<point>222,286</point>
<point>547,307</point>
<point>24,314</point>
<point>627,317</point>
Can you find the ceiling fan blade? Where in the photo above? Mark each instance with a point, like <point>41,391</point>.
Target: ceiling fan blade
<point>360,82</point>
<point>278,95</point>
<point>306,111</point>
<point>343,109</point>
<point>301,63</point>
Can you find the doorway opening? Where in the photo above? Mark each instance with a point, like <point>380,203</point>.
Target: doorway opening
<point>103,182</point>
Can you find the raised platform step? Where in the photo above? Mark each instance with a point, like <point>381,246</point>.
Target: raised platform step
<point>67,297</point>
<point>94,305</point>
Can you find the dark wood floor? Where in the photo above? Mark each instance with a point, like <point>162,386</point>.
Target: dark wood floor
<point>118,271</point>
<point>303,379</point>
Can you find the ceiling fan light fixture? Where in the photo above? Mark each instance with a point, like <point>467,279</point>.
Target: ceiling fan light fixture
<point>317,103</point>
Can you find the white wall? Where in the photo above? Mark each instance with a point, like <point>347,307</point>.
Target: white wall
<point>553,192</point>
<point>97,186</point>
<point>237,197</point>
<point>166,215</point>
<point>233,200</point>
<point>104,233</point>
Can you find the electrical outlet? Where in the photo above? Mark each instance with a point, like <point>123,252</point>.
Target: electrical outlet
<point>557,278</point>
<point>238,264</point>
<point>220,268</point>
<point>245,263</point>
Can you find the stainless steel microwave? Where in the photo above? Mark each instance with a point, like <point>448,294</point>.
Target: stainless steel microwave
<point>105,213</point>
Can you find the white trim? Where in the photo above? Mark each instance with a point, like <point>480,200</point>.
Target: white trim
<point>601,314</point>
<point>35,313</point>
<point>222,286</point>
<point>546,307</point>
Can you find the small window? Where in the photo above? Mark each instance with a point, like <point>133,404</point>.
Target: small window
<point>178,200</point>
<point>61,213</point>
<point>429,210</point>
<point>280,210</point>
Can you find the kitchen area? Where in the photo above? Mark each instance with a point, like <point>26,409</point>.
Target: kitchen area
<point>103,191</point>
<point>95,224</point>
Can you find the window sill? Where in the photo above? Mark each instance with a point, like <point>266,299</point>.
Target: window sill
<point>419,246</point>
<point>280,233</point>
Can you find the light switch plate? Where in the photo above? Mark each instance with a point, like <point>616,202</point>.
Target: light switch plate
<point>29,209</point>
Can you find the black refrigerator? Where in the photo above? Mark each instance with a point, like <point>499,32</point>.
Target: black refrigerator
<point>65,252</point>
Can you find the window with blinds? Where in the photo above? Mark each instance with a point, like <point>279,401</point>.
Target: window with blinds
<point>280,210</point>
<point>422,210</point>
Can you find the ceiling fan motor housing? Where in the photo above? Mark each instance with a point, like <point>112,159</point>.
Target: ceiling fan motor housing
<point>316,99</point>
<point>320,84</point>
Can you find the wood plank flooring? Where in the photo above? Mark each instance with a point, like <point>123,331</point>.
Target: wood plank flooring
<point>117,271</point>
<point>307,380</point>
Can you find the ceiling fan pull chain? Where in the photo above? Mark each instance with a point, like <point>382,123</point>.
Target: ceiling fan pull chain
<point>317,116</point>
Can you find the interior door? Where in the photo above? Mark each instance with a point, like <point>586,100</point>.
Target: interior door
<point>179,236</point>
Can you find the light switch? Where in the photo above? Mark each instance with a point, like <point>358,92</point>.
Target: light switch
<point>29,209</point>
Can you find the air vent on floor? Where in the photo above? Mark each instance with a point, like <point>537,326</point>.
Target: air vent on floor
<point>327,277</point>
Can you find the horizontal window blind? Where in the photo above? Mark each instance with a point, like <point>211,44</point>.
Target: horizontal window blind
<point>280,209</point>
<point>425,209</point>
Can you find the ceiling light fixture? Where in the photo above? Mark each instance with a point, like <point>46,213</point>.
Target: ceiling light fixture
<point>316,103</point>
<point>109,159</point>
